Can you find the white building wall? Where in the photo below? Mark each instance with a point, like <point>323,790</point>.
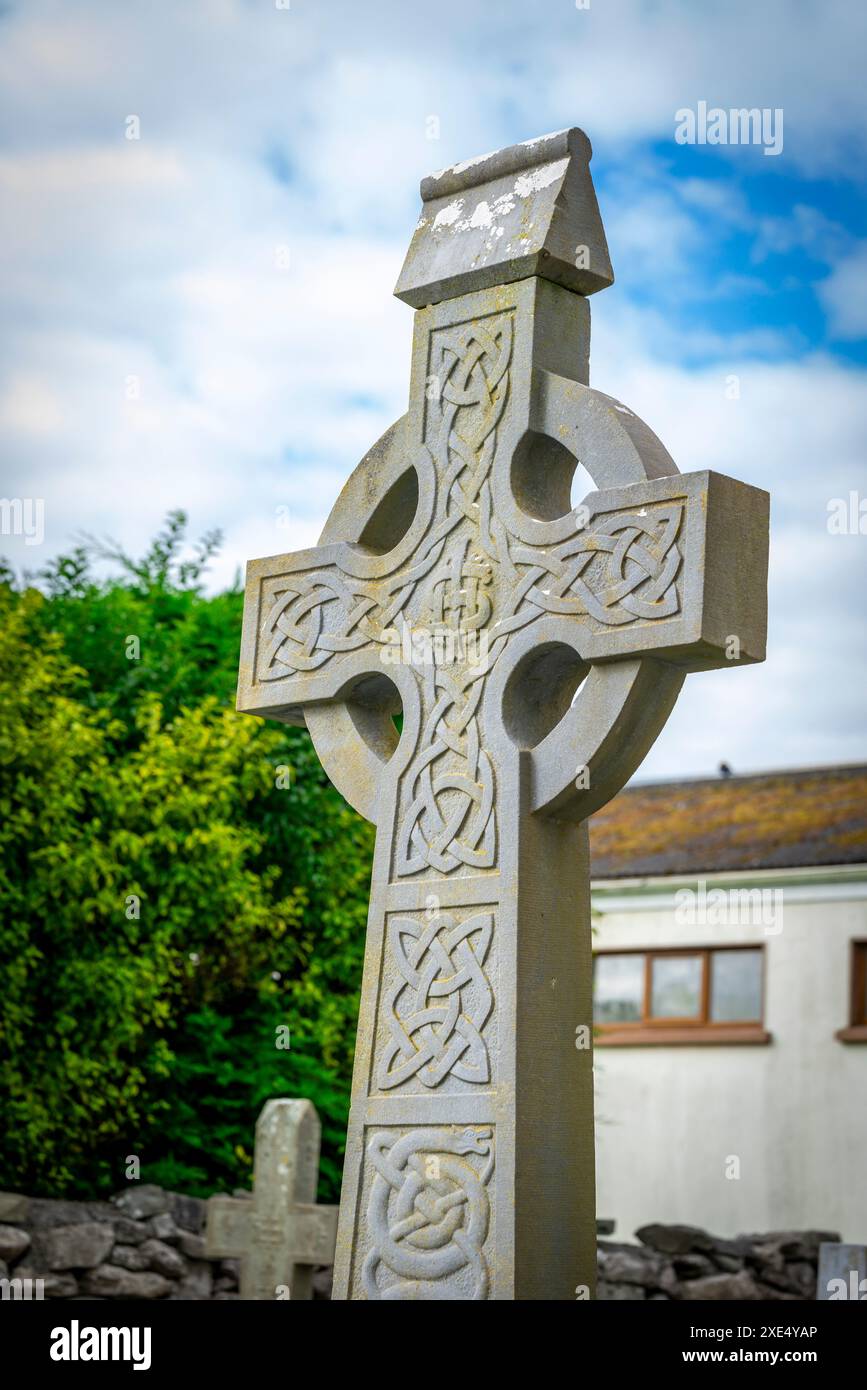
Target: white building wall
<point>794,1111</point>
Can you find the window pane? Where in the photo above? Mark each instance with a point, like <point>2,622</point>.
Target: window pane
<point>860,964</point>
<point>618,989</point>
<point>735,986</point>
<point>675,990</point>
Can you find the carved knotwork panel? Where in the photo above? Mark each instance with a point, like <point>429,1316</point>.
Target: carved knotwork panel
<point>623,568</point>
<point>427,1196</point>
<point>435,1020</point>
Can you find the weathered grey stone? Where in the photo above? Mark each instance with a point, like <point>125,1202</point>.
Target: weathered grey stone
<point>193,1246</point>
<point>54,1285</point>
<point>620,1263</point>
<point>455,581</point>
<point>131,1232</point>
<point>627,1266</point>
<point>802,1277</point>
<point>693,1266</point>
<point>189,1212</point>
<point>13,1242</point>
<point>766,1257</point>
<point>197,1282</point>
<point>791,1245</point>
<point>80,1246</point>
<point>729,1263</point>
<point>164,1228</point>
<point>128,1257</point>
<point>674,1240</point>
<point>506,216</point>
<point>109,1281</point>
<point>620,1292</point>
<point>140,1202</point>
<point>735,1249</point>
<point>842,1272</point>
<point>13,1207</point>
<point>4,1269</point>
<point>164,1259</point>
<point>45,1212</point>
<point>721,1287</point>
<point>281,1234</point>
<point>773,1292</point>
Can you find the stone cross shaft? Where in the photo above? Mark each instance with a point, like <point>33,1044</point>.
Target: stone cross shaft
<point>281,1234</point>
<point>536,649</point>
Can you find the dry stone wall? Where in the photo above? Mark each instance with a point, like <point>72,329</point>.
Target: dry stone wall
<point>683,1262</point>
<point>146,1243</point>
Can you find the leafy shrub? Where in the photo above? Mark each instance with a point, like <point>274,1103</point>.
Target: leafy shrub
<point>166,906</point>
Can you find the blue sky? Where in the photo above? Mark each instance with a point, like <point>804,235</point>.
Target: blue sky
<point>203,317</point>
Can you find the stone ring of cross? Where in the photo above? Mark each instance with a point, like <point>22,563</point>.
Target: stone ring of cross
<point>482,660</point>
<point>464,505</point>
<point>546,690</point>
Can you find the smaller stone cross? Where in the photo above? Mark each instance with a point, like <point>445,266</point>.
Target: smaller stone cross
<point>281,1233</point>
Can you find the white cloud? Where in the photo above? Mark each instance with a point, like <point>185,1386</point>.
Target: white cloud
<point>797,430</point>
<point>844,296</point>
<point>261,386</point>
<point>358,81</point>
<point>805,228</point>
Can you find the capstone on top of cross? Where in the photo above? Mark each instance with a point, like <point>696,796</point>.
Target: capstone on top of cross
<point>526,210</point>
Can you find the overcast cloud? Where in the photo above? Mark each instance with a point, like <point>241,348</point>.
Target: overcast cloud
<point>237,262</point>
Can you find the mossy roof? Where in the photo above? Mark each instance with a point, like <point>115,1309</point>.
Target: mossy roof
<point>770,820</point>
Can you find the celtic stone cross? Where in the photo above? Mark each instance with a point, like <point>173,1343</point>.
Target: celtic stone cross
<point>281,1234</point>
<point>535,649</point>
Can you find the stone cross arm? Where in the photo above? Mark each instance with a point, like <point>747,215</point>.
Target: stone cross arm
<point>663,568</point>
<point>670,584</point>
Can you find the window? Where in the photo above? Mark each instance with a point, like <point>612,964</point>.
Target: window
<point>671,996</point>
<point>856,1031</point>
<point>676,987</point>
<point>735,986</point>
<point>618,989</point>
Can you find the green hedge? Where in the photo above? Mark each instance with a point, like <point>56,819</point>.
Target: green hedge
<point>169,899</point>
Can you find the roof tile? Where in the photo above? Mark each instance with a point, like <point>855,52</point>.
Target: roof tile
<point>766,821</point>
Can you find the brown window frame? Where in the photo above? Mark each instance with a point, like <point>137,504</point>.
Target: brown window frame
<point>856,1029</point>
<point>670,1031</point>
